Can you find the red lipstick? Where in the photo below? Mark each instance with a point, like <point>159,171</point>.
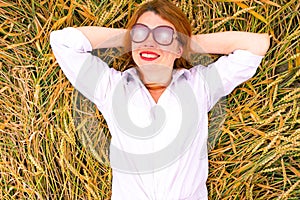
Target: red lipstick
<point>149,55</point>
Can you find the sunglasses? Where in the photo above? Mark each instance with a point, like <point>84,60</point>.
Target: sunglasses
<point>163,35</point>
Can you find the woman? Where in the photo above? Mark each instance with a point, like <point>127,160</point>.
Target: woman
<point>156,110</point>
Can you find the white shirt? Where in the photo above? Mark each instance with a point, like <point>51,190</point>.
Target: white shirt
<point>154,155</point>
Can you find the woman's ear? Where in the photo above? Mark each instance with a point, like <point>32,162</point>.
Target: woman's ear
<point>179,51</point>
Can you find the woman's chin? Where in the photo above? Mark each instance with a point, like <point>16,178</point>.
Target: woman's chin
<point>143,62</point>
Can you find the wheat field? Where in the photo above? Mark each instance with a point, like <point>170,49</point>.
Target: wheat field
<point>254,153</point>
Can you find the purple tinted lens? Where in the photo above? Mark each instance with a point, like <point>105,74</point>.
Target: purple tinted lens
<point>139,33</point>
<point>163,35</point>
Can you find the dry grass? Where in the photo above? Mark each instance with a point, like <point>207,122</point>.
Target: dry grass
<point>255,153</point>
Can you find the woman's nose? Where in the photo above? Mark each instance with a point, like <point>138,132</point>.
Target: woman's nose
<point>150,42</point>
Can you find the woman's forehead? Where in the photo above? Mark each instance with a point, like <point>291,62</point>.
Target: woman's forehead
<point>153,20</point>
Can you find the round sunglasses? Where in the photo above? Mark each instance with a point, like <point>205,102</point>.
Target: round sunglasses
<point>163,35</point>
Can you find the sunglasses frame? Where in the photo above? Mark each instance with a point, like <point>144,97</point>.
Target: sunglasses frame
<point>153,35</point>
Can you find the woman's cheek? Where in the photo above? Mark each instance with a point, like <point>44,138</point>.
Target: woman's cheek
<point>135,56</point>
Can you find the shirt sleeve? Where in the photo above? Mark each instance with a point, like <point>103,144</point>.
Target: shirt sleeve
<point>86,72</point>
<point>222,76</point>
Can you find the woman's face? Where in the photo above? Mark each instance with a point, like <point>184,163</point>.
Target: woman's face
<point>159,53</point>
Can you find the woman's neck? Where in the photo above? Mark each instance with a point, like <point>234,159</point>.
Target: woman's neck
<point>156,81</point>
<point>155,90</point>
<point>155,75</point>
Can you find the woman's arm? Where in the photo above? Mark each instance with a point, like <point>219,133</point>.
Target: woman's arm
<point>87,73</point>
<point>101,37</point>
<point>227,42</point>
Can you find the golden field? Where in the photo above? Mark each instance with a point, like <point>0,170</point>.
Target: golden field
<point>254,153</point>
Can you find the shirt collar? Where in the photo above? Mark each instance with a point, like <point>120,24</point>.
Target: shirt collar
<point>177,73</point>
